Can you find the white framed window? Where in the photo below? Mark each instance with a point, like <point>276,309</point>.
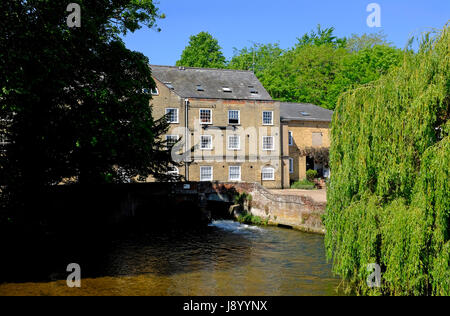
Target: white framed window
<point>206,142</point>
<point>154,91</point>
<point>267,117</point>
<point>291,165</point>
<point>291,139</point>
<point>205,116</point>
<point>268,142</point>
<point>173,171</point>
<point>234,142</point>
<point>234,173</point>
<point>171,140</point>
<point>268,174</point>
<point>172,115</point>
<point>206,173</point>
<point>234,117</point>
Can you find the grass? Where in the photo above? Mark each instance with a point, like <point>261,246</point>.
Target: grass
<point>303,185</point>
<point>251,219</point>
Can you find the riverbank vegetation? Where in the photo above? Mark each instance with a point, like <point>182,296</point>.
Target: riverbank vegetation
<point>389,194</point>
<point>74,102</point>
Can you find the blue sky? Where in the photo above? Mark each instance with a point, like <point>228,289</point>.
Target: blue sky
<point>235,23</point>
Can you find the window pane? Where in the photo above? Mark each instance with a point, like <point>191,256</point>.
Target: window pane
<point>291,140</point>
<point>268,143</point>
<point>206,142</point>
<point>291,165</point>
<point>206,174</point>
<point>233,117</point>
<point>205,116</point>
<point>235,173</point>
<point>234,142</point>
<point>171,140</point>
<point>267,118</point>
<point>268,173</point>
<point>172,115</point>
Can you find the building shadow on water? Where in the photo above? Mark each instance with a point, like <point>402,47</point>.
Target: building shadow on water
<point>119,231</point>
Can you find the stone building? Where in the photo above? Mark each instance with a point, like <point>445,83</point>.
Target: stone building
<point>307,128</point>
<point>226,124</point>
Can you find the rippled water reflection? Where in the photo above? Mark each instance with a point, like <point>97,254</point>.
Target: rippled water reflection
<point>227,258</point>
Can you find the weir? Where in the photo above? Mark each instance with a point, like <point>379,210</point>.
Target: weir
<point>177,204</point>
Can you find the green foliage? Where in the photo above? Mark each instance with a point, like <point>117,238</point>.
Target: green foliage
<point>75,98</point>
<point>203,51</point>
<point>248,218</point>
<point>389,193</point>
<point>321,37</point>
<point>242,198</point>
<point>366,41</point>
<point>258,58</point>
<point>303,185</point>
<point>320,67</point>
<point>311,175</point>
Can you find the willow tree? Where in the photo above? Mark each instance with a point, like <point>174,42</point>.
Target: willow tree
<point>389,196</point>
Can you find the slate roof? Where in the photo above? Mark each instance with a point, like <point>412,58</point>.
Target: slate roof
<point>304,112</point>
<point>185,83</point>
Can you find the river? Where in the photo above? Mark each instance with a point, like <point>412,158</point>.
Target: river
<point>226,258</point>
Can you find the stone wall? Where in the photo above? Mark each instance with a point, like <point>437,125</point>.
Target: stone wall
<point>298,212</point>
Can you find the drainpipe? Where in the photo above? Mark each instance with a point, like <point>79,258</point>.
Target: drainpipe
<point>186,137</point>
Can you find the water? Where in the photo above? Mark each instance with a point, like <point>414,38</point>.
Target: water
<point>226,258</point>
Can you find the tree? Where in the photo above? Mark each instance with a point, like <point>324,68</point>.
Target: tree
<point>362,67</point>
<point>321,37</point>
<point>365,41</point>
<point>203,51</point>
<point>304,74</point>
<point>258,58</point>
<point>75,98</point>
<point>389,196</point>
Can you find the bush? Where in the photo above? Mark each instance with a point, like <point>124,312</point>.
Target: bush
<point>311,175</point>
<point>248,218</point>
<point>303,185</point>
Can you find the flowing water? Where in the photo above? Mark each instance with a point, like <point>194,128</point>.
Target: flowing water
<point>226,258</point>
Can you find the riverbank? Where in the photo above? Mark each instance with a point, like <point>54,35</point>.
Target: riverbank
<point>297,209</point>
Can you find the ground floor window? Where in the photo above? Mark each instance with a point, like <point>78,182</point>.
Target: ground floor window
<point>235,173</point>
<point>291,165</point>
<point>206,173</point>
<point>173,171</point>
<point>268,174</point>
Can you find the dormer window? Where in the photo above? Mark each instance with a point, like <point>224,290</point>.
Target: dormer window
<point>200,88</point>
<point>227,89</point>
<point>253,90</point>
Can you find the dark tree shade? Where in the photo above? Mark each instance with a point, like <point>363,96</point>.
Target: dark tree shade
<point>73,97</point>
